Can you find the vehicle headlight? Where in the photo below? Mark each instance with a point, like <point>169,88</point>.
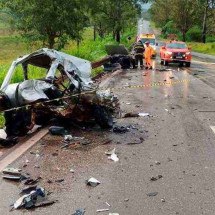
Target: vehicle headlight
<point>187,53</point>
<point>169,53</point>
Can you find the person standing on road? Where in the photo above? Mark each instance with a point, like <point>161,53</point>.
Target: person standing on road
<point>148,55</point>
<point>138,53</point>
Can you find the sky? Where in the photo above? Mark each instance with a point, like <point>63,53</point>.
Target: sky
<point>146,6</point>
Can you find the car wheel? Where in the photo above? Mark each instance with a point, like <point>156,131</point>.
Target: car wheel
<point>161,61</point>
<point>181,64</point>
<point>188,64</point>
<point>165,63</point>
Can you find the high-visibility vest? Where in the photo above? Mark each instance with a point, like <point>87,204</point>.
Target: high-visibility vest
<point>148,52</point>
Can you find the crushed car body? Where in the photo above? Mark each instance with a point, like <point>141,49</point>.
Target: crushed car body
<point>64,92</point>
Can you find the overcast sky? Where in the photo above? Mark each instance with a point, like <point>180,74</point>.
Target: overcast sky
<point>146,6</point>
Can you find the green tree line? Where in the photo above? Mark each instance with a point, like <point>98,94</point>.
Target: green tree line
<point>55,22</point>
<point>191,19</point>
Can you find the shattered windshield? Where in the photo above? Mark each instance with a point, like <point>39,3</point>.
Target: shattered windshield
<point>176,46</point>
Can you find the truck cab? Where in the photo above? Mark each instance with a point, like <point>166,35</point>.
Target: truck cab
<point>148,37</point>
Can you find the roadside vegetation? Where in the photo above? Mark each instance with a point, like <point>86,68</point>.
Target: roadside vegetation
<point>188,20</point>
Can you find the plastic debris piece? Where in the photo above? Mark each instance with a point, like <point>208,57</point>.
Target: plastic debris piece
<point>59,180</point>
<point>34,129</point>
<point>156,178</point>
<point>3,134</point>
<point>102,210</point>
<point>72,170</point>
<point>31,181</point>
<point>68,137</point>
<point>113,214</point>
<point>143,114</point>
<point>20,202</point>
<point>157,162</point>
<point>12,171</point>
<point>120,129</point>
<point>112,155</point>
<point>57,130</point>
<point>93,182</point>
<point>28,189</point>
<point>163,200</point>
<point>107,204</point>
<point>152,194</point>
<point>128,115</point>
<point>12,177</point>
<point>45,203</point>
<point>79,212</point>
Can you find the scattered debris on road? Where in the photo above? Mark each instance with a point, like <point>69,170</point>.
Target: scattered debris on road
<point>121,129</point>
<point>57,130</point>
<point>102,210</point>
<point>112,155</point>
<point>152,194</point>
<point>92,182</point>
<point>156,178</point>
<point>34,198</point>
<point>79,212</point>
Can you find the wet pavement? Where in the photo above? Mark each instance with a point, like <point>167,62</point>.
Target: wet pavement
<point>178,143</point>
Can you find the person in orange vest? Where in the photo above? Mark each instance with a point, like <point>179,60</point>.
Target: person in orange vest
<point>148,54</point>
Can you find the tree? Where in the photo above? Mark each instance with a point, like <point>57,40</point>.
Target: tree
<point>114,16</point>
<point>206,12</point>
<point>50,21</point>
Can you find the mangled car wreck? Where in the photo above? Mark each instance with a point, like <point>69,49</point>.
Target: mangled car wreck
<point>65,92</point>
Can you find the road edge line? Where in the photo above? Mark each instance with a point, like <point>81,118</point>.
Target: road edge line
<point>14,155</point>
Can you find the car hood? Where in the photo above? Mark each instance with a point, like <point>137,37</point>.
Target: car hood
<point>177,50</point>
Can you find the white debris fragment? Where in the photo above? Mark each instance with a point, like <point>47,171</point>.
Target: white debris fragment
<point>166,110</point>
<point>113,156</point>
<point>34,129</point>
<point>3,134</point>
<point>107,204</point>
<point>143,114</point>
<point>113,214</point>
<point>102,210</point>
<point>68,137</point>
<point>20,202</point>
<point>93,182</point>
<point>128,103</point>
<point>157,162</point>
<point>72,170</point>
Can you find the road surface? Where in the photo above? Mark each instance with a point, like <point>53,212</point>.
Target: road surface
<point>177,142</point>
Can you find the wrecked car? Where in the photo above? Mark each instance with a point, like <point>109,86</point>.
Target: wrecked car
<point>119,58</point>
<point>62,90</point>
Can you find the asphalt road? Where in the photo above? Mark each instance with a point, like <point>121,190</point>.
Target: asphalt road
<point>179,145</point>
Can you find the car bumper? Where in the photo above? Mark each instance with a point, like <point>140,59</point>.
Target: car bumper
<point>177,60</point>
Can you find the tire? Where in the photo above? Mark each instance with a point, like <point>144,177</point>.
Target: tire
<point>161,61</point>
<point>165,63</point>
<point>181,64</point>
<point>187,64</point>
<point>103,117</point>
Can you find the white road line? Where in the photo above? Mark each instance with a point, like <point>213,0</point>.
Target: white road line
<point>213,128</point>
<point>22,149</point>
